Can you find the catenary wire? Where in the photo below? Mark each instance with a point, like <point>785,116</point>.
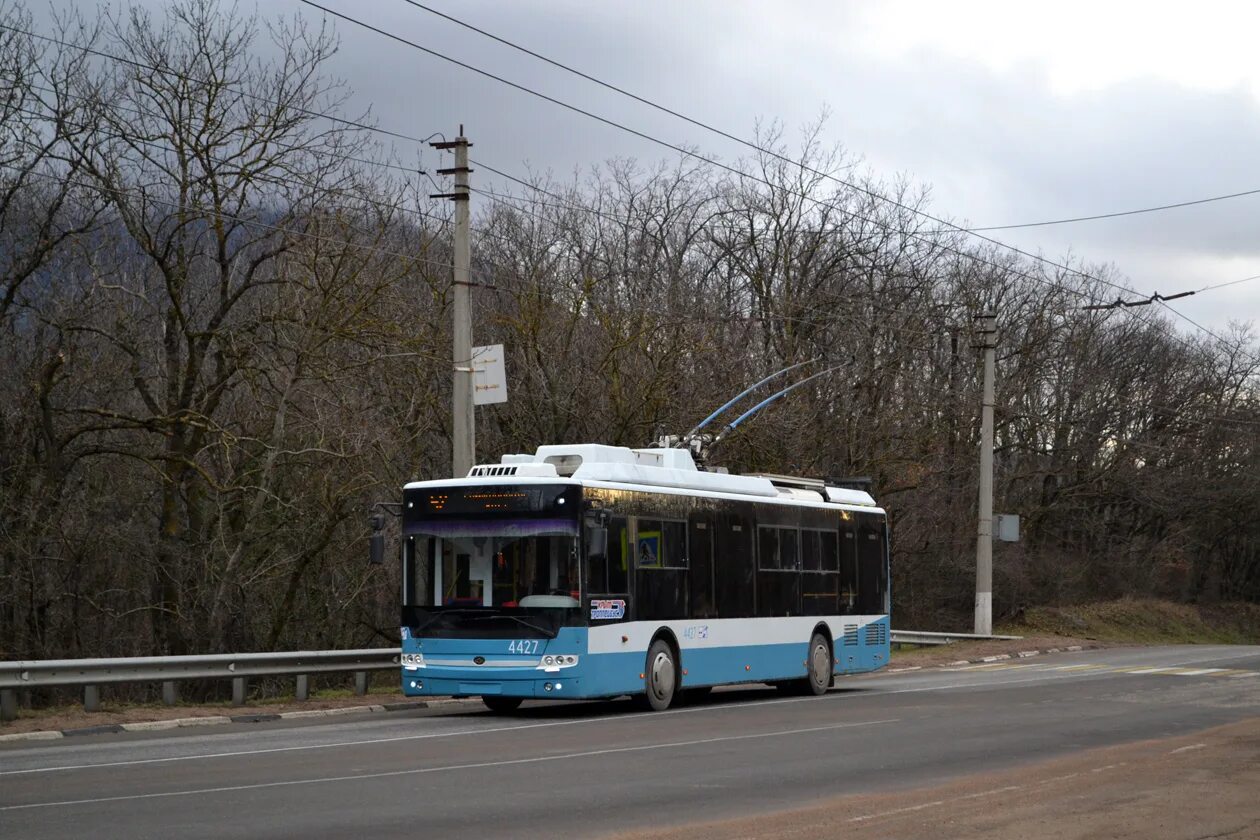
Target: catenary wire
<point>874,194</point>
<point>387,132</point>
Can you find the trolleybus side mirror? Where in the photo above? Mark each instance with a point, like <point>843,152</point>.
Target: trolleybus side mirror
<point>597,541</point>
<point>376,543</point>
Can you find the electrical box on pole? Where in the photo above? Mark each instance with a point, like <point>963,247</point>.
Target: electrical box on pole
<point>1007,527</point>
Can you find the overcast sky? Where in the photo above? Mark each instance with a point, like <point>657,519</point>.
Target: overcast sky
<point>1011,112</point>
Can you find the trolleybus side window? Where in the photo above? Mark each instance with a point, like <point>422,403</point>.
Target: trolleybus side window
<point>735,566</point>
<point>607,573</point>
<point>777,549</point>
<point>848,566</point>
<point>700,571</point>
<point>661,569</point>
<point>418,564</point>
<point>871,563</point>
<point>820,581</point>
<point>779,578</point>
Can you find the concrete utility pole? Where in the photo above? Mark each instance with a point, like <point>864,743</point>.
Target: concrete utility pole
<point>463,431</point>
<point>984,531</point>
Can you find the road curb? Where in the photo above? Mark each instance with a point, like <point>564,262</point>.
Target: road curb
<point>1023,654</point>
<point>99,729</point>
<point>217,720</point>
<point>41,735</point>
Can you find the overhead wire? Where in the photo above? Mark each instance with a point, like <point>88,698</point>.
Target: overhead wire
<point>271,179</point>
<point>1229,283</point>
<point>728,135</point>
<point>253,223</point>
<point>1118,214</point>
<point>711,161</point>
<point>386,132</point>
<point>414,259</point>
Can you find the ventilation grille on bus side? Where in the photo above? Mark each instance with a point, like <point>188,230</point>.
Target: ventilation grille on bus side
<point>876,634</point>
<point>484,471</point>
<point>850,635</point>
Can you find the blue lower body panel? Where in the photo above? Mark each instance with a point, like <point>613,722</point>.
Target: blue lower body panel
<point>610,660</point>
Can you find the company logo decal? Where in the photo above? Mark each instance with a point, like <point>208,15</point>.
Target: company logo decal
<point>608,608</point>
<point>696,631</point>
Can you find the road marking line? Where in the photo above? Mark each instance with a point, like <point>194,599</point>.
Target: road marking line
<point>895,811</point>
<point>420,771</point>
<point>1149,670</point>
<point>1195,672</point>
<point>1187,749</point>
<point>422,737</point>
<point>1107,767</point>
<point>998,666</point>
<point>933,804</point>
<point>984,793</point>
<point>1090,667</point>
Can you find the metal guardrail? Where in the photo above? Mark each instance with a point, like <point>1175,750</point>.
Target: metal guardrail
<point>239,667</point>
<point>914,637</point>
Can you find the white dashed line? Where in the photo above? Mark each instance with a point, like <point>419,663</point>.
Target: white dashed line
<point>420,771</point>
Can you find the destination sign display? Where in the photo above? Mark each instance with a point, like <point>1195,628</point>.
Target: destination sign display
<point>500,499</point>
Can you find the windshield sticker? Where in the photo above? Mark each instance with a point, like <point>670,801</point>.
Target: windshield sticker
<point>405,632</point>
<point>608,609</point>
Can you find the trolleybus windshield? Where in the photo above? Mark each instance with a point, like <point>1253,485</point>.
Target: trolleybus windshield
<point>482,577</point>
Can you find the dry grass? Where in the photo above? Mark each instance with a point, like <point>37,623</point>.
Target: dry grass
<point>1144,621</point>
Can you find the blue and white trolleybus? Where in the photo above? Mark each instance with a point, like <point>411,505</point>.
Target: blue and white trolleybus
<point>589,571</point>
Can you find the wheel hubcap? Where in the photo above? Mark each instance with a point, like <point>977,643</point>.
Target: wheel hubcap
<point>819,669</point>
<point>662,676</point>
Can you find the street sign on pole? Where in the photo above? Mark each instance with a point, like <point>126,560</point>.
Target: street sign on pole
<point>489,375</point>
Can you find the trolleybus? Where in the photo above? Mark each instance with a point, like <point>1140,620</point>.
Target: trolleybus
<point>591,571</point>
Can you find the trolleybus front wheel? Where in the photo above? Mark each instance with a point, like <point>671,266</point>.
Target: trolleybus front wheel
<point>660,677</point>
<point>500,704</point>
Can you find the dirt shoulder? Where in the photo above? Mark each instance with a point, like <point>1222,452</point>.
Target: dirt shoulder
<point>1200,786</point>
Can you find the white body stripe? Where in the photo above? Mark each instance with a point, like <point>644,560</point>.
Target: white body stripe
<point>720,632</point>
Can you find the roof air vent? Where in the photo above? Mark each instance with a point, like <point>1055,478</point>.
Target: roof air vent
<point>566,464</point>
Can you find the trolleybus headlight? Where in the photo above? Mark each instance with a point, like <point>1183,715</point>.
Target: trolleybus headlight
<point>412,660</point>
<point>550,663</point>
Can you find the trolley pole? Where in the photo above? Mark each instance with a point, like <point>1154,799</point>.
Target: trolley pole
<point>463,431</point>
<point>984,530</point>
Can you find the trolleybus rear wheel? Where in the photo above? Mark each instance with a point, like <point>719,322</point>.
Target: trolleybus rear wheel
<point>500,704</point>
<point>819,665</point>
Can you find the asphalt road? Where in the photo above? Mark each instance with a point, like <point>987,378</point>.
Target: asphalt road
<point>586,769</point>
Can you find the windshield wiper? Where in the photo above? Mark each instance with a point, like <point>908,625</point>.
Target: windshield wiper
<point>546,631</point>
<point>435,617</point>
